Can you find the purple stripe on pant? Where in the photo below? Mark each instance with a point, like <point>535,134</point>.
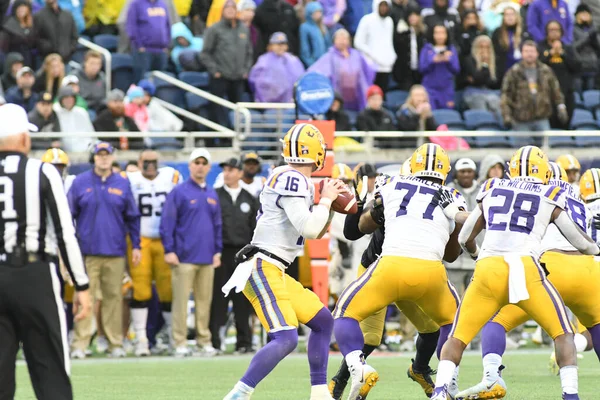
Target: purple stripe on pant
<point>356,290</point>
<point>262,302</point>
<point>265,283</point>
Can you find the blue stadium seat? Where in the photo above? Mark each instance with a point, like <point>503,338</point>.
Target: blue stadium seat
<point>109,42</point>
<point>352,115</point>
<point>395,98</point>
<point>122,71</point>
<point>578,100</point>
<point>561,141</point>
<point>481,119</point>
<point>392,84</point>
<point>591,99</point>
<point>196,79</point>
<point>583,119</point>
<point>246,98</point>
<point>458,100</point>
<point>524,140</point>
<point>169,93</point>
<point>451,118</point>
<point>491,141</point>
<point>195,103</point>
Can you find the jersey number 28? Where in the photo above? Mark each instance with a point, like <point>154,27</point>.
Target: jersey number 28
<point>522,208</point>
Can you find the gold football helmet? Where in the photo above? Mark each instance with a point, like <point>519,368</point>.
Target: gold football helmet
<point>589,185</point>
<point>558,173</point>
<point>56,157</point>
<point>405,169</point>
<point>343,172</point>
<point>568,162</point>
<point>430,160</point>
<point>530,163</point>
<point>304,144</point>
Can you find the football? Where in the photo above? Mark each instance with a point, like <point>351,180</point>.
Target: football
<point>345,202</point>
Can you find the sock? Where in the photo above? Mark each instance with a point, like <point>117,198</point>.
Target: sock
<point>321,326</point>
<point>348,335</point>
<point>595,332</point>
<point>454,382</point>
<point>444,373</point>
<point>444,332</point>
<point>368,349</point>
<point>282,343</point>
<point>568,379</point>
<point>139,316</point>
<point>243,388</point>
<point>493,339</point>
<point>426,345</point>
<point>343,373</point>
<point>491,366</point>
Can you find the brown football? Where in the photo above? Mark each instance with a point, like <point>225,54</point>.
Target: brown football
<point>345,202</point>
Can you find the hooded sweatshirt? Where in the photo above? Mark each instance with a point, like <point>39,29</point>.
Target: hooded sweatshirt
<point>487,163</point>
<point>74,120</point>
<point>313,41</point>
<point>148,25</point>
<point>272,78</point>
<point>374,38</point>
<point>195,43</point>
<point>8,80</point>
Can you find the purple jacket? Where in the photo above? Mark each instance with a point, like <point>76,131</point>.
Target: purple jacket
<point>350,77</point>
<point>541,12</point>
<point>438,76</point>
<point>104,212</point>
<point>148,25</point>
<point>272,78</point>
<point>191,225</point>
<point>330,9</point>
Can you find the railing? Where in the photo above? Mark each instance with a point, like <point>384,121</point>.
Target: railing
<point>107,60</point>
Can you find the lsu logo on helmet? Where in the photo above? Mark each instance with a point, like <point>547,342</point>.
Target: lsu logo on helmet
<point>430,160</point>
<point>557,172</point>
<point>589,185</point>
<point>530,163</point>
<point>304,144</point>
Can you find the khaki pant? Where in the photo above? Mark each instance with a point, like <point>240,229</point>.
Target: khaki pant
<point>185,278</point>
<point>106,277</point>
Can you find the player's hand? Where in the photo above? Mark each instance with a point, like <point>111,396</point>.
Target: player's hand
<point>563,115</point>
<point>172,259</point>
<point>82,305</point>
<point>216,260</point>
<point>444,199</point>
<point>136,257</point>
<point>332,188</point>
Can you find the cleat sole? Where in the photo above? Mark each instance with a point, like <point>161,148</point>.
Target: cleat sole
<point>370,381</point>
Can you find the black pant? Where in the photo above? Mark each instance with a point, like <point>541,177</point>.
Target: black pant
<point>382,79</point>
<point>31,312</point>
<point>241,305</point>
<point>222,87</point>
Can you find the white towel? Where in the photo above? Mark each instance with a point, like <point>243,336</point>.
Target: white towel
<point>240,277</point>
<point>517,283</point>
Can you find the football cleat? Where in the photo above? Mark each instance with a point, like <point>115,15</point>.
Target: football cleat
<point>320,392</point>
<point>496,390</point>
<point>441,393</point>
<point>423,379</point>
<point>566,396</point>
<point>364,377</point>
<point>141,348</point>
<point>236,395</point>
<point>117,352</point>
<point>182,351</point>
<point>101,344</point>
<point>336,387</point>
<point>77,354</point>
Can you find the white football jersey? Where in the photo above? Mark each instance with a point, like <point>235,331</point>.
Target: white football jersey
<point>517,214</point>
<point>594,209</point>
<point>274,231</point>
<point>577,211</point>
<point>254,187</point>
<point>414,226</point>
<point>150,196</point>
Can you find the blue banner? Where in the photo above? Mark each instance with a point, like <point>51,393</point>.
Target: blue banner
<point>314,94</point>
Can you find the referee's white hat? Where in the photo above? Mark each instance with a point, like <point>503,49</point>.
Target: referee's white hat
<point>13,121</point>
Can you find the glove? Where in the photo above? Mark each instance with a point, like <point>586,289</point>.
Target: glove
<point>596,221</point>
<point>444,199</point>
<point>377,212</point>
<point>361,189</point>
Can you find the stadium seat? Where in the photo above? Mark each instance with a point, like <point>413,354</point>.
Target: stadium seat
<point>524,140</point>
<point>583,119</point>
<point>109,42</point>
<point>578,100</point>
<point>561,141</point>
<point>458,100</point>
<point>587,141</point>
<point>170,93</point>
<point>352,115</point>
<point>122,71</point>
<point>491,141</point>
<point>280,120</point>
<point>451,118</point>
<point>196,79</point>
<point>195,102</point>
<point>392,84</point>
<point>246,98</point>
<point>591,99</point>
<point>481,119</point>
<point>395,98</point>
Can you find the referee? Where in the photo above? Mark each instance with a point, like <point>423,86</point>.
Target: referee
<point>36,222</point>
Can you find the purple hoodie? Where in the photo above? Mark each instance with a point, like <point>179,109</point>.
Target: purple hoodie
<point>148,25</point>
<point>331,8</point>
<point>272,78</point>
<point>438,76</point>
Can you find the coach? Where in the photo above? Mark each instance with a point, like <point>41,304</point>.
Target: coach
<point>105,212</point>
<point>190,229</point>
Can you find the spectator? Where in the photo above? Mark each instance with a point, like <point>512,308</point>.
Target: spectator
<point>333,10</point>
<point>43,116</point>
<point>227,55</point>
<point>247,10</point>
<point>338,114</point>
<point>374,117</point>
<point>314,36</point>
<point>17,33</point>
<point>442,14</point>
<point>190,229</point>
<point>113,118</point>
<point>438,63</point>
<point>506,42</point>
<point>102,17</point>
<point>251,180</point>
<point>480,73</point>
<point>92,82</point>
<point>215,13</point>
<point>161,119</point>
<point>13,64</point>
<point>56,31</point>
<point>529,92</point>
<point>401,9</point>
<point>105,212</point>
<point>136,109</point>
<point>23,94</point>
<point>198,15</point>
<point>73,82</point>
<point>563,60</point>
<point>543,11</point>
<point>415,114</point>
<point>273,76</point>
<point>355,10</point>
<point>464,5</point>
<point>409,39</point>
<point>374,39</point>
<point>491,13</point>
<point>276,16</point>
<point>587,45</point>
<point>238,211</point>
<point>347,69</point>
<point>50,76</point>
<point>470,28</point>
<point>132,166</point>
<point>184,42</point>
<point>73,119</point>
<point>149,30</point>
<point>492,166</point>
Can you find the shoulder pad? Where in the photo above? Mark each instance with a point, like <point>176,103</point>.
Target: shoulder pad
<point>289,182</point>
<point>485,188</point>
<point>555,195</point>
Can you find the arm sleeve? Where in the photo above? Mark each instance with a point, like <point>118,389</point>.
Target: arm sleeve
<point>132,219</point>
<point>534,24</point>
<point>56,203</point>
<point>72,201</point>
<point>168,221</point>
<point>218,224</point>
<point>579,239</point>
<point>351,231</point>
<point>454,63</point>
<point>426,60</point>
<point>130,25</point>
<point>468,227</point>
<point>308,223</point>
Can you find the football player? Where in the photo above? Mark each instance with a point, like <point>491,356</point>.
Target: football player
<point>516,213</point>
<point>286,218</point>
<point>418,236</point>
<point>572,166</point>
<point>150,186</point>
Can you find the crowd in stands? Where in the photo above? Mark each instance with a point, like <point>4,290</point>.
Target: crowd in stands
<point>526,62</point>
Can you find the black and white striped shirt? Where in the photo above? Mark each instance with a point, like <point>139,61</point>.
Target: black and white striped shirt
<point>35,213</point>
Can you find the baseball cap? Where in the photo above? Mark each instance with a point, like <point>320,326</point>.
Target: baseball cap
<point>14,121</point>
<point>46,98</point>
<point>69,79</point>
<point>251,156</point>
<point>23,71</point>
<point>368,170</point>
<point>278,38</point>
<point>232,162</point>
<point>103,146</point>
<point>465,163</point>
<point>373,90</point>
<point>201,152</point>
<point>147,86</point>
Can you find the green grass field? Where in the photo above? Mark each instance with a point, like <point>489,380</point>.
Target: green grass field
<point>210,379</point>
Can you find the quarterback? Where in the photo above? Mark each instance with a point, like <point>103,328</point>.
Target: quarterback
<point>286,217</point>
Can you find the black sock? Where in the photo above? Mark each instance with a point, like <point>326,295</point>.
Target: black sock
<point>368,349</point>
<point>426,345</point>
